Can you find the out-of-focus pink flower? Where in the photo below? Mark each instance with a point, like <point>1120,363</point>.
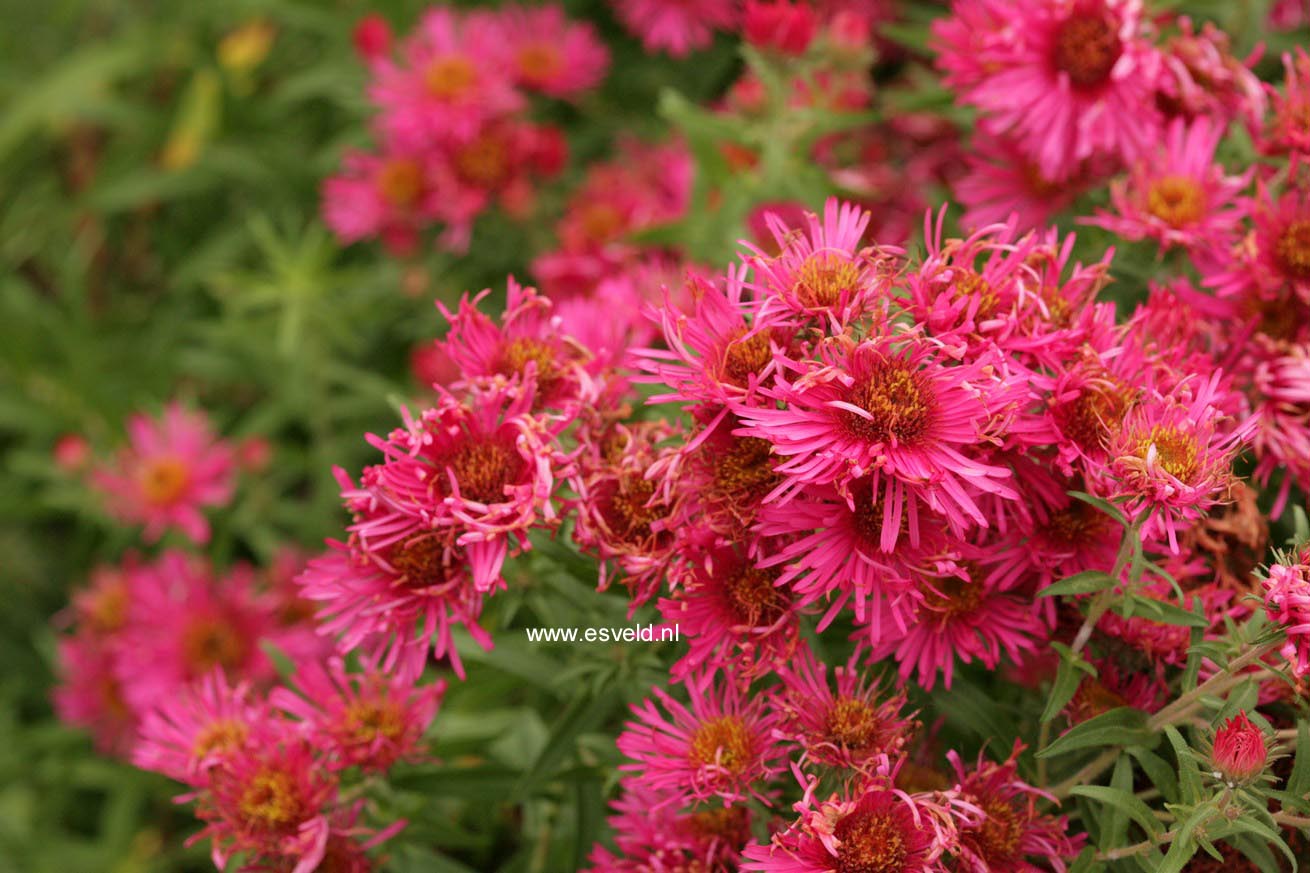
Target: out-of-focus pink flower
<point>172,467</point>
<point>72,453</point>
<point>1287,600</point>
<point>372,37</point>
<point>779,25</point>
<point>676,26</point>
<point>551,54</point>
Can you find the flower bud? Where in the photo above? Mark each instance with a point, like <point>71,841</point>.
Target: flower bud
<point>1240,752</point>
<point>372,37</point>
<point>780,26</point>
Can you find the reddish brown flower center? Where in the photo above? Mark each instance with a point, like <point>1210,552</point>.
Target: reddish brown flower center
<point>420,561</point>
<point>745,471</point>
<point>1076,524</point>
<point>540,62</point>
<point>1292,251</point>
<point>731,824</point>
<point>746,356</point>
<point>163,480</point>
<point>953,596</point>
<point>1178,201</point>
<point>1087,46</point>
<point>871,842</point>
<point>106,609</point>
<point>270,801</point>
<point>600,222</point>
<point>899,401</point>
<point>753,598</point>
<point>367,720</point>
<point>484,468</point>
<point>213,641</point>
<point>400,181</point>
<point>1175,451</point>
<point>1089,419</point>
<point>1094,698</point>
<point>824,277</point>
<point>450,78</point>
<point>222,735</point>
<point>516,354</point>
<point>723,742</point>
<point>852,723</point>
<point>1001,833</point>
<point>484,162</point>
<point>629,512</point>
<point>969,284</point>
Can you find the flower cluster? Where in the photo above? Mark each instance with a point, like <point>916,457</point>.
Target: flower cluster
<point>453,136</point>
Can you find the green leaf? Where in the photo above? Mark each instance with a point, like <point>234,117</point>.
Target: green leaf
<point>1122,802</point>
<point>1162,776</point>
<point>1189,780</point>
<point>1158,611</point>
<point>1067,679</point>
<point>1102,504</point>
<point>1298,782</point>
<point>1086,582</point>
<point>1124,726</point>
<point>582,714</point>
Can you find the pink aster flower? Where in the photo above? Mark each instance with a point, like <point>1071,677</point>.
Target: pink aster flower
<point>1287,600</point>
<point>841,547</point>
<point>453,75</point>
<point>1173,456</point>
<point>550,53</point>
<point>1012,831</point>
<point>890,406</point>
<point>853,725</point>
<point>1199,76</point>
<point>874,827</point>
<point>1001,180</point>
<point>622,516</point>
<point>185,622</point>
<point>732,612</point>
<point>1288,126</point>
<point>366,719</point>
<point>1179,197</point>
<point>675,26</point>
<point>722,350</point>
<point>479,472</point>
<point>523,347</point>
<point>396,588</point>
<point>189,733</point>
<point>1282,237</point>
<point>392,197</point>
<point>1282,438</point>
<point>963,616</point>
<point>89,694</point>
<point>269,799</point>
<point>653,835</point>
<point>1070,81</point>
<point>720,746</point>
<point>824,272</point>
<point>172,468</point>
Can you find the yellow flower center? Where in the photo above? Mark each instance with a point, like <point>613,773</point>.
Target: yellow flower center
<point>824,277</point>
<point>540,62</point>
<point>163,480</point>
<point>852,723</point>
<point>450,78</point>
<point>723,741</point>
<point>899,400</point>
<point>270,801</point>
<point>870,842</point>
<point>1178,201</point>
<point>1175,451</point>
<point>1292,250</point>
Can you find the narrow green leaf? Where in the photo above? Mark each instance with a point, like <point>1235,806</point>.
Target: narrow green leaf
<point>1068,676</point>
<point>1189,780</point>
<point>1124,726</point>
<point>1086,582</point>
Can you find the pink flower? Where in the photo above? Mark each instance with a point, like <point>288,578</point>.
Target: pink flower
<point>1241,752</point>
<point>89,694</point>
<point>733,614</point>
<point>1012,830</point>
<point>825,272</point>
<point>1287,601</point>
<point>1173,455</point>
<point>1179,197</point>
<point>364,720</point>
<point>188,733</point>
<point>1069,79</point>
<point>270,799</point>
<point>1200,77</point>
<point>71,453</point>
<point>550,53</point>
<point>964,615</point>
<point>890,406</point>
<point>392,196</point>
<point>874,827</point>
<point>454,74</point>
<point>172,468</point>
<point>675,26</point>
<point>372,37</point>
<point>719,747</point>
<point>779,25</point>
<point>1288,130</point>
<point>852,727</point>
<point>1001,179</point>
